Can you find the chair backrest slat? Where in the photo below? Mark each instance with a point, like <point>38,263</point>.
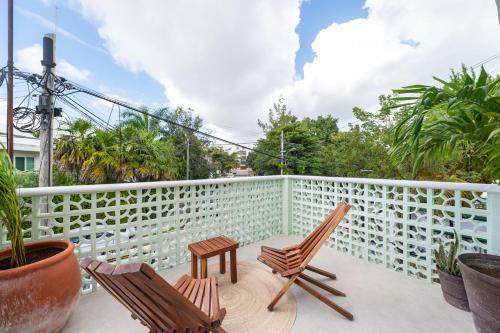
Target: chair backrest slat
<point>148,296</point>
<point>161,308</point>
<point>313,235</point>
<point>320,235</point>
<point>98,271</point>
<point>136,302</point>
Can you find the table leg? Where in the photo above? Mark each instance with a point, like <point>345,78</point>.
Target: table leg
<point>234,274</point>
<point>204,273</point>
<point>194,266</point>
<point>223,263</point>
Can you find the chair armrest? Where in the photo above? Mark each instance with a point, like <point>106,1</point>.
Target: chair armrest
<point>271,249</point>
<point>291,247</point>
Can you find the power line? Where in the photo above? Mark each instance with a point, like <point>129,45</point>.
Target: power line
<point>491,58</point>
<point>66,87</point>
<point>126,105</point>
<point>85,112</point>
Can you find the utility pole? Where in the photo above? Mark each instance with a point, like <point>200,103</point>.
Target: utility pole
<point>188,141</point>
<point>282,152</point>
<point>46,109</point>
<point>10,80</point>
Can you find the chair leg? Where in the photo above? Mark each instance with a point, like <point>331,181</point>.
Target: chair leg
<point>234,269</point>
<point>223,263</point>
<point>282,291</point>
<point>325,300</point>
<point>204,268</point>
<point>321,272</point>
<point>218,329</point>
<point>194,266</point>
<point>322,285</point>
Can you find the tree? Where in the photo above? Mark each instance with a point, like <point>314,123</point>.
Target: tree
<point>146,157</point>
<point>134,151</point>
<point>301,145</point>
<point>357,153</point>
<point>74,147</point>
<point>103,164</point>
<point>458,119</point>
<point>278,116</point>
<point>181,135</point>
<point>322,127</point>
<point>221,162</point>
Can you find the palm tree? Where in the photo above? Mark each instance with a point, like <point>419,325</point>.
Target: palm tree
<point>74,147</point>
<point>461,116</point>
<point>103,164</point>
<point>144,121</point>
<point>147,157</point>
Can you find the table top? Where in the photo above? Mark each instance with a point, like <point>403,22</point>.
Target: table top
<point>213,246</point>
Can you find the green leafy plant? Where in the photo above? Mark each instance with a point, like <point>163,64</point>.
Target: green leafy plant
<point>10,210</point>
<point>460,116</point>
<point>446,260</point>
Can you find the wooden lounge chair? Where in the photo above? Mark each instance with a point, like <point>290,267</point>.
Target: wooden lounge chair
<point>292,261</point>
<point>191,305</point>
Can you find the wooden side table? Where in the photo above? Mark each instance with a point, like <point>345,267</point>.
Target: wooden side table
<point>212,247</point>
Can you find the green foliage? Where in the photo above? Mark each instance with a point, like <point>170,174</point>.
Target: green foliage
<point>26,178</point>
<point>221,162</point>
<point>135,151</point>
<point>61,178</point>
<point>446,260</point>
<point>143,121</point>
<point>459,119</point>
<point>357,153</point>
<point>301,145</point>
<point>143,148</point>
<point>448,132</point>
<point>322,127</point>
<point>10,210</point>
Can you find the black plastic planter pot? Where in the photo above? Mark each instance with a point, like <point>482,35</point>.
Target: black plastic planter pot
<point>453,290</point>
<point>480,273</point>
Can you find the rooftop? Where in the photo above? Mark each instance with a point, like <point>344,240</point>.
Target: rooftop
<point>381,300</point>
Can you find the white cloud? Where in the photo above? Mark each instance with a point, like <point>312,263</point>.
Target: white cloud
<point>47,24</point>
<point>29,58</point>
<point>221,58</point>
<point>230,59</point>
<point>358,60</point>
<point>68,70</point>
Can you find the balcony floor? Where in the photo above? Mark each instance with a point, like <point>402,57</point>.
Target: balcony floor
<point>380,299</point>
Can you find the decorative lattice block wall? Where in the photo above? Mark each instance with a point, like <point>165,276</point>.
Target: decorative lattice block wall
<point>395,224</point>
<point>154,222</point>
<point>392,222</point>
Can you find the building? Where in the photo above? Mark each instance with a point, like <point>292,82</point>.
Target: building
<point>26,150</point>
<point>242,158</point>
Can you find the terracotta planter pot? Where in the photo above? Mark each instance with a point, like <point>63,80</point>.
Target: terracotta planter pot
<point>40,297</point>
<point>453,290</point>
<point>483,290</point>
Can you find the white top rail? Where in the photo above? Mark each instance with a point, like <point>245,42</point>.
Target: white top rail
<point>491,188</point>
<point>58,190</point>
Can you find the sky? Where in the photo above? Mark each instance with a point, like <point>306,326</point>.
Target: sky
<point>230,60</point>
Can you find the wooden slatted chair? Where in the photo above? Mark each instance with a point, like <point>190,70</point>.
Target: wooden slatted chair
<point>191,305</point>
<point>292,261</point>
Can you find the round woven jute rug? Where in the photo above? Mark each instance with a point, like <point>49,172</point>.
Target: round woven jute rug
<point>246,301</point>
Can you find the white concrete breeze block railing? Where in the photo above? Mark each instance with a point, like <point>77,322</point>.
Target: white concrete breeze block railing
<point>392,222</point>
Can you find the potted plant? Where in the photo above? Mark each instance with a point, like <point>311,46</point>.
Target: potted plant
<point>450,278</point>
<point>39,282</point>
<point>481,273</point>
